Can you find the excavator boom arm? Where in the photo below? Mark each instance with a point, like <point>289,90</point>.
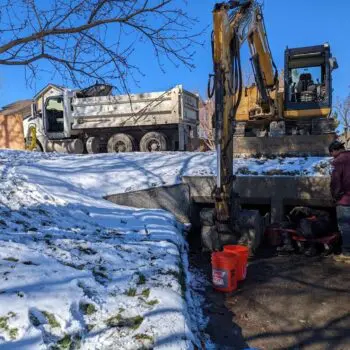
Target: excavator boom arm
<point>235,22</point>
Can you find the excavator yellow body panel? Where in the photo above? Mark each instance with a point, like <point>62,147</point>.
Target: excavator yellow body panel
<point>307,113</point>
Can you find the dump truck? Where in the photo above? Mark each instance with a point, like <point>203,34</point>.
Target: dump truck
<point>94,121</point>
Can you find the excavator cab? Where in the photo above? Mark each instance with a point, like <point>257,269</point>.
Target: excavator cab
<point>308,82</point>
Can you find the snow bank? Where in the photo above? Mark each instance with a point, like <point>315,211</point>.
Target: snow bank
<point>77,270</point>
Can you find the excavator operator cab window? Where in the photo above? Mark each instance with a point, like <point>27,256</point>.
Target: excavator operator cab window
<point>308,83</point>
<point>54,114</point>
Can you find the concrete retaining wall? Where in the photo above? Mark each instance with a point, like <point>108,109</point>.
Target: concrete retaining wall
<point>274,191</point>
<point>312,145</point>
<point>278,192</point>
<point>175,199</point>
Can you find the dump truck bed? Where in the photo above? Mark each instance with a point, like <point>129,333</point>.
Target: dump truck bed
<point>156,108</point>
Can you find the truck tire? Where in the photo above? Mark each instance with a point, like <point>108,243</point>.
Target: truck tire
<point>93,145</point>
<point>153,142</point>
<point>121,143</point>
<point>38,148</point>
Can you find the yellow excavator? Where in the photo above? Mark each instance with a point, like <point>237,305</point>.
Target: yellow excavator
<point>298,104</point>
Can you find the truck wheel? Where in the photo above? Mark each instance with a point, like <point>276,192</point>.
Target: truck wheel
<point>38,148</point>
<point>120,143</point>
<point>93,145</point>
<point>153,142</point>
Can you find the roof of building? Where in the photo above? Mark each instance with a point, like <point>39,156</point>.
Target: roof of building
<point>22,107</point>
<point>46,88</point>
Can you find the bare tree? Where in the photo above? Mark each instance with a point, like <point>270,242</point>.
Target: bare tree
<point>88,40</point>
<point>342,113</point>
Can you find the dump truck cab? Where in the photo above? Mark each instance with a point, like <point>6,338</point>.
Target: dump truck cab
<point>308,82</point>
<point>57,115</point>
<point>54,117</point>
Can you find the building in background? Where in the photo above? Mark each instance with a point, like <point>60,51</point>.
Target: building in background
<point>11,124</point>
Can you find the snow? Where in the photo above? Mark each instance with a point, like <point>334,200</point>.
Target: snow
<point>63,251</point>
<point>76,269</point>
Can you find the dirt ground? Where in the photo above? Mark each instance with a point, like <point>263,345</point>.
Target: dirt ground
<point>291,302</point>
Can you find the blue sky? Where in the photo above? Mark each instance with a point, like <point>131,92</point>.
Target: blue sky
<point>291,23</point>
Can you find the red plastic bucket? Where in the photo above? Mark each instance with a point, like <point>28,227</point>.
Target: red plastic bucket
<point>224,271</point>
<point>242,253</point>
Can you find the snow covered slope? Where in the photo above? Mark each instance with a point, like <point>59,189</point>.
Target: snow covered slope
<point>75,269</point>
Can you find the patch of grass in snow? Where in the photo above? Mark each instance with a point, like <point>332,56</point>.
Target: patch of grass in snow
<point>13,333</point>
<point>74,266</point>
<point>3,223</point>
<point>90,327</point>
<point>51,319</point>
<point>65,342</point>
<point>87,308</point>
<point>3,323</point>
<point>119,321</point>
<point>10,259</point>
<point>131,292</point>
<point>152,302</point>
<point>87,250</point>
<point>114,320</point>
<point>180,276</point>
<point>143,336</point>
<point>99,274</point>
<point>134,322</point>
<point>146,292</point>
<point>141,280</point>
<point>29,263</point>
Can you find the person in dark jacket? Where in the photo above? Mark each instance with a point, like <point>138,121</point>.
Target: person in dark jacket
<point>340,189</point>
